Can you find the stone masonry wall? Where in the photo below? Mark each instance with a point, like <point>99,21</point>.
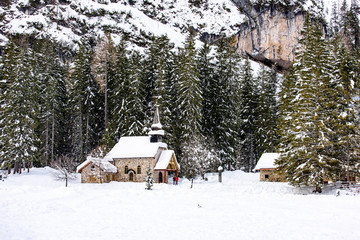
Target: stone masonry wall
<point>269,175</point>
<point>91,174</point>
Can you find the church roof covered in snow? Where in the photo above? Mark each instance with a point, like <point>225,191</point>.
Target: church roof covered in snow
<point>135,147</point>
<point>267,160</point>
<point>102,163</point>
<point>167,158</point>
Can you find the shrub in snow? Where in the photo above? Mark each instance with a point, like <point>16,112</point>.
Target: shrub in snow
<point>65,169</point>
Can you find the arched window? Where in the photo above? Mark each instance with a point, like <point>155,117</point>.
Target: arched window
<point>139,169</point>
<point>126,169</point>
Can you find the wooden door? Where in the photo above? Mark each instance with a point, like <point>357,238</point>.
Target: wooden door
<point>160,177</point>
<point>131,176</point>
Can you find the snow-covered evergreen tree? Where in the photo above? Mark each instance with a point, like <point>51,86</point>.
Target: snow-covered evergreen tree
<point>149,181</point>
<point>189,90</point>
<point>304,129</point>
<point>126,100</point>
<point>206,67</point>
<point>247,118</point>
<point>18,107</point>
<point>50,78</point>
<point>222,92</point>
<point>343,117</point>
<point>198,158</point>
<point>267,112</point>
<point>84,105</point>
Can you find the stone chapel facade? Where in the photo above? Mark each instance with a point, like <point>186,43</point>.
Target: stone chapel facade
<point>130,158</point>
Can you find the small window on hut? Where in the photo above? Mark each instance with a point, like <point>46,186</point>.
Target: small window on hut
<point>139,170</point>
<point>126,169</point>
<point>92,168</point>
<point>266,176</point>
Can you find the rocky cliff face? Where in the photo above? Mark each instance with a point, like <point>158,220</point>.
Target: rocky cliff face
<point>271,33</point>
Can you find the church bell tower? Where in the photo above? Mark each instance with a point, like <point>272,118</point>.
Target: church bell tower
<point>156,133</point>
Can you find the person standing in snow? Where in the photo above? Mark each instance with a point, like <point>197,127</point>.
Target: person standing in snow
<point>176,180</point>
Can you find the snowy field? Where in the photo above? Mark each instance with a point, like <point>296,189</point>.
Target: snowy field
<point>35,206</point>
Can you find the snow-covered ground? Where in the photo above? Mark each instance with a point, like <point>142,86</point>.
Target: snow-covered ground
<point>35,206</point>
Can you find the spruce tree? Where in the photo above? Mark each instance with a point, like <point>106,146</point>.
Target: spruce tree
<point>188,86</point>
<point>344,115</point>
<point>223,91</point>
<point>304,130</point>
<point>126,99</point>
<point>248,116</point>
<point>206,67</point>
<point>19,104</point>
<point>149,181</point>
<point>267,112</point>
<point>49,74</point>
<point>84,105</point>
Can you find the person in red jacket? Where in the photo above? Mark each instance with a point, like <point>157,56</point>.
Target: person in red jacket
<point>176,180</point>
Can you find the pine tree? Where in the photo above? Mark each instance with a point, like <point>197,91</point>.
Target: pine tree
<point>149,181</point>
<point>84,105</point>
<point>206,67</point>
<point>248,119</point>
<point>158,81</point>
<point>126,99</point>
<point>18,107</point>
<point>344,118</point>
<point>189,89</point>
<point>304,130</point>
<point>267,112</point>
<point>49,74</point>
<point>223,91</point>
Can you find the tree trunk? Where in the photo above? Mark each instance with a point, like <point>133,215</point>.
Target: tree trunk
<point>15,167</point>
<point>87,133</point>
<point>52,138</point>
<point>106,107</point>
<point>47,142</point>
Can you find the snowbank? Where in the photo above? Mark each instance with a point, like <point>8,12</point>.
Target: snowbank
<point>35,206</point>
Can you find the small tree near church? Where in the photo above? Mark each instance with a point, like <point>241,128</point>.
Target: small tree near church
<point>149,181</point>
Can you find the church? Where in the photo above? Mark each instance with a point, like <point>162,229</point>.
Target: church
<point>130,158</point>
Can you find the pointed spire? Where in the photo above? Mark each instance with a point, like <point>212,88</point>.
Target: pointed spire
<point>156,132</point>
<point>156,122</point>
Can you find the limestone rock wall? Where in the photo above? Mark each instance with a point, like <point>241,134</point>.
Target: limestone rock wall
<point>270,36</point>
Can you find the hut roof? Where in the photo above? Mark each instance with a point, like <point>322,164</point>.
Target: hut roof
<point>104,164</point>
<point>267,160</point>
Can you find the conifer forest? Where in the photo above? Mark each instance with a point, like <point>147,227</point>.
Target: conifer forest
<point>214,108</point>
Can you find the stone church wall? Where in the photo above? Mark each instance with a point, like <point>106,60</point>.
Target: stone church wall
<point>132,167</point>
<point>92,174</point>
